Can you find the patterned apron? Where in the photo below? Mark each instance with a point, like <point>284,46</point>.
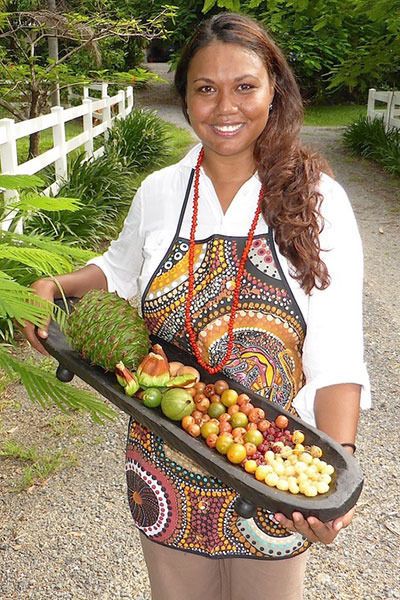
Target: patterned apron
<point>172,500</point>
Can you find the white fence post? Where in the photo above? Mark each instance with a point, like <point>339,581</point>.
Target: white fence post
<point>129,98</point>
<point>61,164</point>
<point>371,104</point>
<point>121,104</point>
<point>9,165</point>
<point>88,126</point>
<point>106,113</point>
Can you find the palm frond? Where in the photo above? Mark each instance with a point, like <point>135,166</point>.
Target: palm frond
<point>43,261</point>
<point>22,304</point>
<point>73,252</point>
<point>44,389</point>
<point>36,202</point>
<point>20,182</point>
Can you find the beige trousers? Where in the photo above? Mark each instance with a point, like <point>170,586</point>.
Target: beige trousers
<point>177,575</point>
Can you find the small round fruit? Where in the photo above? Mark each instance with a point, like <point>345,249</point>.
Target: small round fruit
<point>239,419</point>
<point>216,409</point>
<point>256,415</point>
<point>152,397</point>
<point>199,387</point>
<point>315,451</point>
<point>282,422</point>
<point>211,440</point>
<point>187,421</point>
<point>250,466</point>
<point>282,484</point>
<point>225,427</point>
<point>220,386</point>
<point>261,472</point>
<point>253,436</point>
<point>233,409</point>
<point>223,442</point>
<point>229,397</point>
<point>297,437</point>
<point>322,487</point>
<point>209,390</point>
<point>251,449</point>
<point>236,453</point>
<point>243,399</point>
<point>203,404</point>
<point>208,428</point>
<point>271,479</point>
<point>194,430</point>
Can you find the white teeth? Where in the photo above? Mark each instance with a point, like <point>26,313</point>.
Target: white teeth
<point>228,128</point>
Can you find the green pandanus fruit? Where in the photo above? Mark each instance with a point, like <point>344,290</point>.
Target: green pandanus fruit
<point>106,330</point>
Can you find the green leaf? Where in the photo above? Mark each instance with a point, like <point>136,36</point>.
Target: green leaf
<point>31,201</point>
<point>20,182</point>
<point>208,5</point>
<point>22,304</point>
<point>46,390</point>
<point>43,261</point>
<point>72,252</point>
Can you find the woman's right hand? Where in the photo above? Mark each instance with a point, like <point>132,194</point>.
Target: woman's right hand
<point>45,288</point>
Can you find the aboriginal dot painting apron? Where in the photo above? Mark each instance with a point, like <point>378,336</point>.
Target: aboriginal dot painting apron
<point>172,500</point>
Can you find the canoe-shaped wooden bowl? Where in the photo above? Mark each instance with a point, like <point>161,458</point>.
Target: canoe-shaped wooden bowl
<point>345,488</point>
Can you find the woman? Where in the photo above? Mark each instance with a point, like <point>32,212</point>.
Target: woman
<point>248,256</point>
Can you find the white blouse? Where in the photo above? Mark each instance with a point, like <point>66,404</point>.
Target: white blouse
<point>333,346</point>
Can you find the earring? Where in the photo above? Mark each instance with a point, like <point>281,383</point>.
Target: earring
<point>270,107</point>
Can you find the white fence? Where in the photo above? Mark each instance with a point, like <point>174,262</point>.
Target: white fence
<point>105,110</point>
<point>389,113</point>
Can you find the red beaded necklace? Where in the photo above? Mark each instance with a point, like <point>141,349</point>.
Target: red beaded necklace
<point>238,281</point>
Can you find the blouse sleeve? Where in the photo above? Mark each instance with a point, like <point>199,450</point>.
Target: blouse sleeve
<point>122,262</point>
<point>333,347</point>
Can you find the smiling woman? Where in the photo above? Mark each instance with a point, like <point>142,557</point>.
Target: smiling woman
<point>247,255</point>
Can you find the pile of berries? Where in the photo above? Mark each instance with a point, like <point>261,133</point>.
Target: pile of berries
<point>231,424</point>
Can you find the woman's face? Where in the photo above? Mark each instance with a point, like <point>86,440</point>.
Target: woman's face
<point>228,97</point>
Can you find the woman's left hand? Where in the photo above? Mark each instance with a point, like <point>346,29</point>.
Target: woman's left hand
<point>313,529</point>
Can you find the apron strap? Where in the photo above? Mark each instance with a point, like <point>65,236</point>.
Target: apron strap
<point>184,205</point>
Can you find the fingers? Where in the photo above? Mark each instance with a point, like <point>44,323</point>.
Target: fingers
<point>313,529</point>
<point>33,336</point>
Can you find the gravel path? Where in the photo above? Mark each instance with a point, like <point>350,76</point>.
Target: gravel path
<point>72,538</point>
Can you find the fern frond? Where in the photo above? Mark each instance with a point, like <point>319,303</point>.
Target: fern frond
<point>20,182</point>
<point>22,304</point>
<point>73,252</point>
<point>46,390</point>
<point>36,202</point>
<point>43,261</point>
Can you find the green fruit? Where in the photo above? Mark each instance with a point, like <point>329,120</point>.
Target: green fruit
<point>177,403</point>
<point>254,436</point>
<point>106,329</point>
<point>216,409</point>
<point>152,397</point>
<point>238,419</point>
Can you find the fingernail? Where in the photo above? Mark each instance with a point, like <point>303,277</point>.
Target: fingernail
<point>339,526</point>
<point>42,333</point>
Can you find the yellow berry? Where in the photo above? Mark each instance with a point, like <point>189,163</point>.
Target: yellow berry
<point>271,479</point>
<point>282,484</point>
<point>322,487</point>
<point>250,466</point>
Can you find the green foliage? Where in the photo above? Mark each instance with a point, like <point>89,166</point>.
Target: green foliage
<point>370,140</point>
<point>44,389</point>
<point>139,141</point>
<point>105,189</point>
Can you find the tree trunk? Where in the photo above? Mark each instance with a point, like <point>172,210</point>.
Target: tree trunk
<point>52,41</point>
<point>34,138</point>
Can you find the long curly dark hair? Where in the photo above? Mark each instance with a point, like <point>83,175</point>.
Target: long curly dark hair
<point>289,171</point>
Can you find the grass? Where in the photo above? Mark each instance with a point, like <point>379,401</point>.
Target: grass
<point>38,465</point>
<point>339,115</point>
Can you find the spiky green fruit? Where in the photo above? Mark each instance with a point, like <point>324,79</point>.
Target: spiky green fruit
<point>105,329</point>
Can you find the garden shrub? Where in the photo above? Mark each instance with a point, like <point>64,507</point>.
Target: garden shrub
<point>369,139</point>
<point>106,185</point>
<point>139,141</point>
